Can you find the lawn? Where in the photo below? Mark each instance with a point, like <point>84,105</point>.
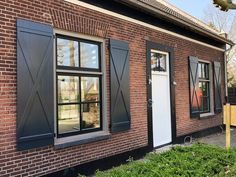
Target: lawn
<point>196,160</point>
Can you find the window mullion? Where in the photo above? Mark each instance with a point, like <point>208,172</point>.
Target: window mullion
<point>79,55</point>
<point>204,80</point>
<point>70,103</point>
<point>80,109</point>
<point>70,71</point>
<point>90,102</point>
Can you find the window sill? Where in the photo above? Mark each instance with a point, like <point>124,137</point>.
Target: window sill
<point>207,115</point>
<point>61,143</point>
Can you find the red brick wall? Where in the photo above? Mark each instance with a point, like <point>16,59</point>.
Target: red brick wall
<point>78,19</point>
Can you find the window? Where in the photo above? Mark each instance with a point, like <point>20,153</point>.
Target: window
<point>205,99</point>
<point>158,61</point>
<point>79,88</point>
<point>204,87</point>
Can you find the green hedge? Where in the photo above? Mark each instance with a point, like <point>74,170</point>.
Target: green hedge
<point>198,160</point>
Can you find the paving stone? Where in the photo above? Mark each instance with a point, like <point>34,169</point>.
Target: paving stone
<point>219,139</point>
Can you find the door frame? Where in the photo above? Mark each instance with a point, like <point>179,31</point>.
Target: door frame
<point>163,48</point>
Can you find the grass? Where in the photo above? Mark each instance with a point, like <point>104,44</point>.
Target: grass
<point>198,160</point>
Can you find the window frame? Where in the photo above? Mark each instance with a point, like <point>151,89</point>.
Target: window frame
<point>81,72</point>
<point>211,91</point>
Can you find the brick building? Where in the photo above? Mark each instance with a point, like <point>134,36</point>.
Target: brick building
<point>82,81</point>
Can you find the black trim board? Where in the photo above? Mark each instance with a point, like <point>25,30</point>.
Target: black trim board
<point>199,134</point>
<point>152,45</point>
<point>101,164</point>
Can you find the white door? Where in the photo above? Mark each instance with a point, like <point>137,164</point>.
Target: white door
<point>161,115</point>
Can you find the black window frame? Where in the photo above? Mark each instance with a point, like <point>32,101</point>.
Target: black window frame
<point>206,80</point>
<point>80,72</point>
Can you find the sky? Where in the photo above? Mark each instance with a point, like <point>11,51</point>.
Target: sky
<point>193,7</point>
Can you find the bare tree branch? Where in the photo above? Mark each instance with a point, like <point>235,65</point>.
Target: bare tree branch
<point>224,22</point>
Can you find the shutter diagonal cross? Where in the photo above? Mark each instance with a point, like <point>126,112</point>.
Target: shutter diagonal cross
<point>194,87</point>
<point>119,89</point>
<point>119,80</point>
<point>36,82</point>
<point>194,78</point>
<point>218,82</point>
<point>35,94</point>
<point>217,87</point>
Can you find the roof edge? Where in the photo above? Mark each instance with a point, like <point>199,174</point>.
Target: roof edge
<point>145,7</point>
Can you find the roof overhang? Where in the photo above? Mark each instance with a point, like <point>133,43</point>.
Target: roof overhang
<point>159,13</point>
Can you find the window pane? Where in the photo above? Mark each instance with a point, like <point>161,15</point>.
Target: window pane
<point>200,70</point>
<point>68,118</point>
<point>200,86</point>
<point>204,87</point>
<point>91,115</point>
<point>205,104</point>
<point>199,94</point>
<point>67,53</point>
<point>206,68</point>
<point>203,70</point>
<point>204,96</point>
<point>89,88</point>
<point>158,62</point>
<point>89,55</point>
<point>68,89</point>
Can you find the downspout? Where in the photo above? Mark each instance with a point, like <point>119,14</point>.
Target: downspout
<point>226,73</point>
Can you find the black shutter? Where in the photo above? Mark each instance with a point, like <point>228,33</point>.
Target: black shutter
<point>194,87</point>
<point>119,89</point>
<point>34,85</point>
<point>217,87</point>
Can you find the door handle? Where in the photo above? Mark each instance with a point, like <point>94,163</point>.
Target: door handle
<point>150,102</point>
<point>149,81</point>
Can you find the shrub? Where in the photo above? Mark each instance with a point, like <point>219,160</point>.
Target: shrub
<point>197,160</point>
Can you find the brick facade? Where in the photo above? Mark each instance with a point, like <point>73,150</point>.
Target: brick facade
<point>63,15</point>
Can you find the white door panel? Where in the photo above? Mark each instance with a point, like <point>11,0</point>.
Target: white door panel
<point>161,105</point>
